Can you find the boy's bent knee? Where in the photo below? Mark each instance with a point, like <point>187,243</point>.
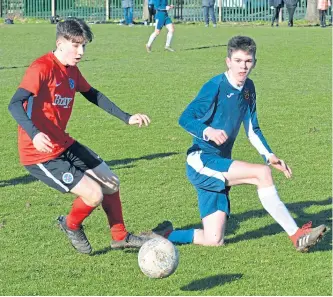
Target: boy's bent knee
<point>214,242</point>
<point>264,174</point>
<point>95,197</point>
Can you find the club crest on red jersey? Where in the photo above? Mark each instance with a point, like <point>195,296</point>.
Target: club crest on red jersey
<point>71,83</point>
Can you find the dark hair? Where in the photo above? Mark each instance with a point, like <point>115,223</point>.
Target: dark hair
<point>75,30</point>
<point>242,43</point>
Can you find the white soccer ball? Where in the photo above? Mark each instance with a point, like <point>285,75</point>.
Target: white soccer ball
<point>158,258</point>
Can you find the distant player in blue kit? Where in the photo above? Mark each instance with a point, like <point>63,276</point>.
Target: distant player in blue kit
<point>214,118</point>
<point>162,19</point>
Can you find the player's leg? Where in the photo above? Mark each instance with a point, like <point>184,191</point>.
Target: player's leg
<point>212,234</point>
<point>171,29</point>
<point>111,203</point>
<point>159,18</point>
<point>96,169</point>
<point>261,176</point>
<point>212,13</point>
<point>277,12</point>
<point>273,18</point>
<point>204,171</point>
<point>291,11</point>
<point>151,11</point>
<point>60,174</point>
<point>130,16</point>
<point>206,15</point>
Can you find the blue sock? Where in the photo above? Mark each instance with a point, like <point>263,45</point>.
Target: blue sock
<point>181,236</point>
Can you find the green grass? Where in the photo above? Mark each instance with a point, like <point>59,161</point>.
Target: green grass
<point>293,83</point>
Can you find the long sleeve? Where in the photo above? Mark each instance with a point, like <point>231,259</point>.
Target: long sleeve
<point>199,111</point>
<point>99,99</point>
<point>254,133</point>
<point>16,109</point>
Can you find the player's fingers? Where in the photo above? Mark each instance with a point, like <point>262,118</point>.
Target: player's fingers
<point>224,134</point>
<point>139,120</point>
<point>217,141</point>
<point>47,143</point>
<point>289,170</point>
<point>46,137</point>
<point>221,138</point>
<point>147,118</point>
<point>43,149</point>
<point>144,119</point>
<point>287,174</point>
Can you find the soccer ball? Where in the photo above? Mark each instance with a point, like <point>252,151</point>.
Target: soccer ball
<point>158,258</point>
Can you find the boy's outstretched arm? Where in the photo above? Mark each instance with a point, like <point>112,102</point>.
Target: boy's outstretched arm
<point>200,110</point>
<point>258,140</point>
<point>98,98</point>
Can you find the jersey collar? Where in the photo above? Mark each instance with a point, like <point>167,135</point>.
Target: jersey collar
<point>231,83</point>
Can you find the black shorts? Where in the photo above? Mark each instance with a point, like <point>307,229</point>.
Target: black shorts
<point>64,172</point>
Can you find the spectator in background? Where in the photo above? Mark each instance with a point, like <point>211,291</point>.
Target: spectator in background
<point>208,8</point>
<point>277,5</point>
<point>323,5</point>
<point>127,6</point>
<point>291,7</point>
<point>152,12</point>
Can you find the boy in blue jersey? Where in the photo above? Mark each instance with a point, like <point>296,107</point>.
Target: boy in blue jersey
<point>214,118</point>
<point>162,19</point>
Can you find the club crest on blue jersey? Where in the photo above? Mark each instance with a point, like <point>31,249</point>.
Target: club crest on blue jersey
<point>246,94</point>
<point>71,83</point>
<point>67,178</point>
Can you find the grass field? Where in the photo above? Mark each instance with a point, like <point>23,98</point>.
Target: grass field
<point>293,83</point>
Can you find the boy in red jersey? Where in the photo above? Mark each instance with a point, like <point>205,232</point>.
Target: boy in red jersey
<point>42,106</point>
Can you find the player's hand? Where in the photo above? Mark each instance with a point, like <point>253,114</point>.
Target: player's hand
<point>168,7</point>
<point>280,165</point>
<point>216,135</point>
<point>139,119</point>
<point>42,143</point>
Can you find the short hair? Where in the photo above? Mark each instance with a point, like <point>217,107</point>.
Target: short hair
<point>74,30</point>
<point>242,43</point>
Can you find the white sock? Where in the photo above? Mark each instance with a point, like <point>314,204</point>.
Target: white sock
<point>151,39</point>
<point>270,200</point>
<point>169,38</point>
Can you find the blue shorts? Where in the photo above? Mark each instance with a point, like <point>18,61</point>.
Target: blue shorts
<point>205,173</point>
<point>162,19</point>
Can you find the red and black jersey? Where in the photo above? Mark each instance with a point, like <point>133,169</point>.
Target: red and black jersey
<point>53,86</point>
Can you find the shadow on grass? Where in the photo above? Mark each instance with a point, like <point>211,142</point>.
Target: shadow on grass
<point>211,282</point>
<point>109,249</point>
<point>299,208</point>
<point>113,163</point>
<point>25,179</point>
<point>203,47</point>
<point>123,163</point>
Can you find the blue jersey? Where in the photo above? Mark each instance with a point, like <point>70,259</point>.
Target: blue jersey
<point>161,4</point>
<point>221,105</point>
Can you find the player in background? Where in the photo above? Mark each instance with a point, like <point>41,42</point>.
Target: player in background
<point>42,106</point>
<point>162,19</point>
<point>214,118</point>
